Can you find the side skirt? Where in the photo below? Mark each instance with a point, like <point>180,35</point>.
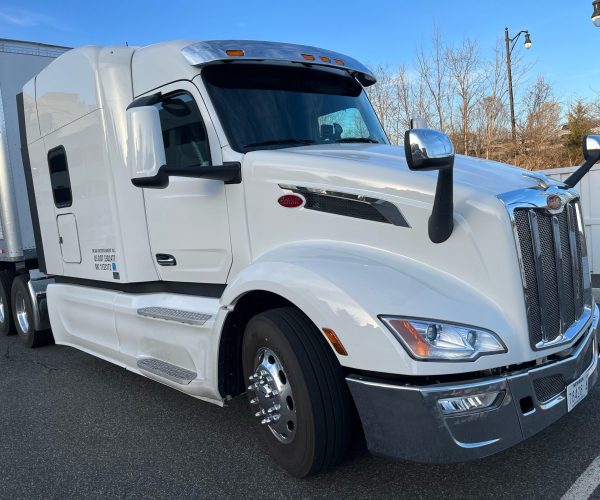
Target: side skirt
<point>170,338</point>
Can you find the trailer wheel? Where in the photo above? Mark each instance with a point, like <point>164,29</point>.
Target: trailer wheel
<point>297,392</point>
<point>22,311</point>
<point>7,326</point>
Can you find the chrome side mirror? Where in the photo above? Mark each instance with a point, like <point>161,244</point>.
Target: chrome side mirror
<point>428,149</point>
<point>145,147</point>
<point>591,146</point>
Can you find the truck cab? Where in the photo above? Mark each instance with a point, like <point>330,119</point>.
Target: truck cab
<point>229,217</point>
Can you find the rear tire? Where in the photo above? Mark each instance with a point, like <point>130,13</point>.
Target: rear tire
<point>7,326</point>
<point>22,312</point>
<point>307,371</point>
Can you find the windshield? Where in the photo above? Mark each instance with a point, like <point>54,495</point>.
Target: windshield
<point>269,106</point>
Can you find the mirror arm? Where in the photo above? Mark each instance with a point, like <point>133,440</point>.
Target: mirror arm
<point>229,172</point>
<point>441,221</point>
<point>576,176</point>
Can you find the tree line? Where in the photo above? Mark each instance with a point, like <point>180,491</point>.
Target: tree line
<point>456,90</point>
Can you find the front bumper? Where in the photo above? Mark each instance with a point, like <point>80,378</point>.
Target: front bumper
<point>405,421</point>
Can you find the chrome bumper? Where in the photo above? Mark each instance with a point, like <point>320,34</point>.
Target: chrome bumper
<point>405,421</point>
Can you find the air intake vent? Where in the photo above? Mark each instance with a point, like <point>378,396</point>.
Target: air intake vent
<point>350,205</point>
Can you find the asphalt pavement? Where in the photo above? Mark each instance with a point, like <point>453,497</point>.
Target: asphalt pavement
<point>73,426</point>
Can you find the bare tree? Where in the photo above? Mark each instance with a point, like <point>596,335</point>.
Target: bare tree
<point>539,129</point>
<point>493,103</point>
<point>464,68</point>
<point>434,75</point>
<point>381,95</point>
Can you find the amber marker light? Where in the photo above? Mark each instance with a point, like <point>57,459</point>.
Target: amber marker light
<point>410,335</point>
<point>325,59</point>
<point>335,341</point>
<point>308,57</point>
<point>235,52</point>
<point>340,62</point>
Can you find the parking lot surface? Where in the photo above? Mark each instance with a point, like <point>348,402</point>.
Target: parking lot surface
<point>73,426</point>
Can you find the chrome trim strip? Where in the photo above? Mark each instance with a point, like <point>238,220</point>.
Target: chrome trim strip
<point>206,52</point>
<point>572,333</point>
<point>585,265</point>
<point>558,258</point>
<point>575,259</point>
<point>539,271</point>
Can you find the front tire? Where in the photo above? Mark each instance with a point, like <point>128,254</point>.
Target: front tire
<point>297,392</point>
<point>22,311</point>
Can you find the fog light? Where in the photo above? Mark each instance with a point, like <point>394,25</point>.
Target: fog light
<point>476,402</point>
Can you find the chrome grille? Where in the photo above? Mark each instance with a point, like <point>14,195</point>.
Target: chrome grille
<point>551,249</point>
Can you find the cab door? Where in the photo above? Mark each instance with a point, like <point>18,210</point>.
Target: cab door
<point>188,223</point>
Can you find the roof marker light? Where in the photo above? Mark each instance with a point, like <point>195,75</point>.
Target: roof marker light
<point>325,59</point>
<point>308,57</point>
<point>340,62</point>
<point>235,52</point>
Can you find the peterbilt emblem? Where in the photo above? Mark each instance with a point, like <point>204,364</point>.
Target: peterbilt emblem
<point>555,203</point>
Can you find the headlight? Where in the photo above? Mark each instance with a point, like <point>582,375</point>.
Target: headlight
<point>430,340</point>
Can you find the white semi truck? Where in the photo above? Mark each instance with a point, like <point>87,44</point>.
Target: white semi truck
<point>228,217</point>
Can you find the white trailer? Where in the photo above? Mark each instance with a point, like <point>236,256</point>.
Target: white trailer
<point>589,187</point>
<point>228,217</point>
<point>19,62</point>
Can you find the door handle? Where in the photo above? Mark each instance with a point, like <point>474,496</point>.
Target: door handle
<point>164,259</point>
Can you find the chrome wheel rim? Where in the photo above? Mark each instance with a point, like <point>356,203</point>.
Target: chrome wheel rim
<point>272,395</point>
<point>2,311</point>
<point>21,312</point>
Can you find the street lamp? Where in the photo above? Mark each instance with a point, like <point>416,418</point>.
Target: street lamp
<point>596,13</point>
<point>510,45</point>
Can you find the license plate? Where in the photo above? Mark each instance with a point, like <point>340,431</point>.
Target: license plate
<point>577,391</point>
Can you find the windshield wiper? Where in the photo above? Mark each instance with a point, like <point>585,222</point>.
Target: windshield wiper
<point>276,142</point>
<point>358,139</point>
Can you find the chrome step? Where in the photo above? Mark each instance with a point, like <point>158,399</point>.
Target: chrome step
<point>166,370</point>
<point>178,315</point>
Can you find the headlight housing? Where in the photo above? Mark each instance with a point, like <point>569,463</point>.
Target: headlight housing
<point>432,340</point>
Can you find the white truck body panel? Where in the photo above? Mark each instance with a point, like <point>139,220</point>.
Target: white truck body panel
<point>19,61</point>
<point>106,207</point>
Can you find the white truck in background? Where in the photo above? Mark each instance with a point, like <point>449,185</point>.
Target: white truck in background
<point>228,217</point>
<point>19,62</point>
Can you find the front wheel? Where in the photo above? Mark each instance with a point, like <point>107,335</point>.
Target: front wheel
<point>22,311</point>
<point>297,392</point>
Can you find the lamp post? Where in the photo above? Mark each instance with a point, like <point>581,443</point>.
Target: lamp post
<point>510,45</point>
<point>596,13</point>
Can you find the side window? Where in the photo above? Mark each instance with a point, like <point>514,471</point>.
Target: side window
<point>59,177</point>
<point>346,123</point>
<point>184,133</point>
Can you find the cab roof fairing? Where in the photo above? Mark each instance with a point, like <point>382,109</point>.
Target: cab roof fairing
<point>203,53</point>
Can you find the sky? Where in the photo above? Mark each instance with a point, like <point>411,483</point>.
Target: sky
<point>375,32</point>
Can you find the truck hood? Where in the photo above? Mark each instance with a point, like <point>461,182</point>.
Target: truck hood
<point>388,163</point>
